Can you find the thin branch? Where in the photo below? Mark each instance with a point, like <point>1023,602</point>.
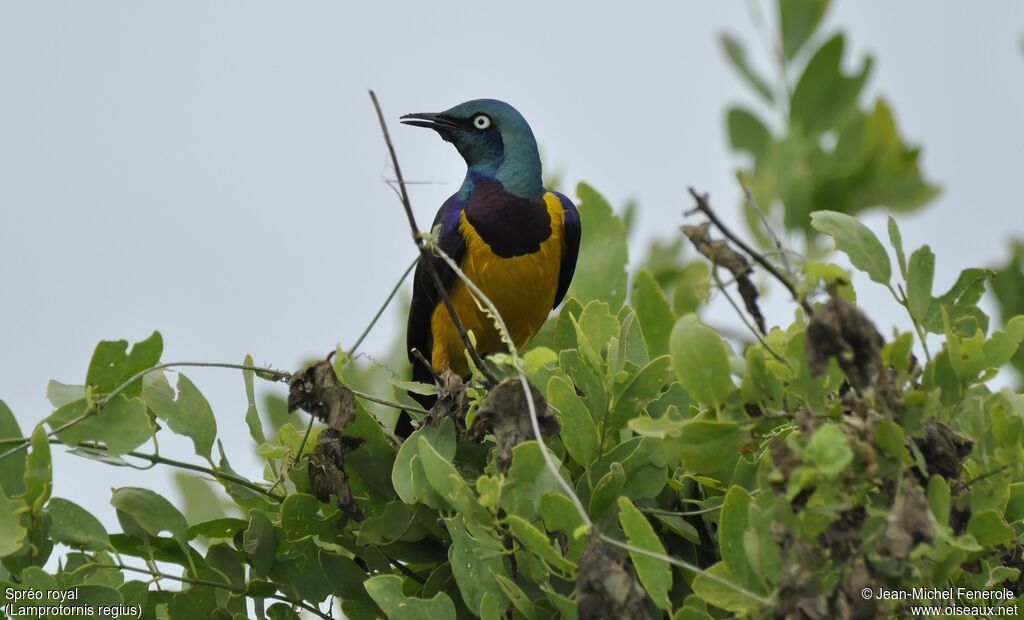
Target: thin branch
<point>743,317</point>
<point>156,459</point>
<point>417,237</point>
<point>426,364</point>
<point>675,513</point>
<point>391,296</point>
<point>94,408</point>
<point>705,208</point>
<point>276,375</point>
<point>388,403</point>
<point>305,438</point>
<point>693,568</point>
<point>767,225</point>
<point>213,584</point>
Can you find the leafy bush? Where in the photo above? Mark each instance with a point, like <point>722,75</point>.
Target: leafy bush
<point>683,473</point>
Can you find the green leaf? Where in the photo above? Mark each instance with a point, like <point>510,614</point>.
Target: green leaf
<point>395,523</point>
<point>416,387</point>
<point>829,451</point>
<point>1003,344</point>
<point>588,381</point>
<point>897,244</point>
<point>706,446</point>
<point>824,95</point>
<point>939,499</point>
<point>654,573</point>
<point>537,542</point>
<point>473,559</point>
<point>188,414</point>
<point>701,360</point>
<point>738,56</point>
<point>607,489</point>
<point>519,599</point>
<point>889,438</point>
<point>199,502</point>
<point>74,526</point>
<point>527,480</point>
<point>716,593</point>
<point>961,300</point>
<point>1015,504</point>
<point>300,518</point>
<point>560,514</point>
<point>920,275</point>
<point>595,330</point>
<point>643,388</point>
<point>579,433</point>
<point>653,311</point>
<point>1008,284</point>
<point>733,525</point>
<point>989,528</point>
<point>12,528</point>
<point>12,467</point>
<point>748,133</point>
<point>857,241</point>
<point>60,394</point>
<point>152,512</point>
<point>112,364</point>
<point>446,481</point>
<point>259,541</point>
<point>123,424</point>
<point>601,270</point>
<point>692,288</point>
<point>386,591</point>
<point>799,19</point>
<point>38,471</point>
<point>223,559</point>
<point>345,576</point>
<point>441,438</point>
<point>565,325</point>
<point>252,415</point>
<point>223,527</point>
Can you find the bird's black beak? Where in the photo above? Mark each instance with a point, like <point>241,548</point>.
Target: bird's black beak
<point>436,121</point>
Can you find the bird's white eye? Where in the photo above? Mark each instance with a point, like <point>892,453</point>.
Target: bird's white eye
<point>481,121</point>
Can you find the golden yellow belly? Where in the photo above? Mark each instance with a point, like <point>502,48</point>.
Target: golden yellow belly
<point>522,288</point>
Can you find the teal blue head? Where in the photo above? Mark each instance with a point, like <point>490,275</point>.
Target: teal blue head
<point>493,138</point>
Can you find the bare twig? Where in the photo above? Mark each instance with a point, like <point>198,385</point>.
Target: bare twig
<point>426,364</point>
<point>721,254</point>
<point>417,237</point>
<point>380,311</point>
<point>704,207</point>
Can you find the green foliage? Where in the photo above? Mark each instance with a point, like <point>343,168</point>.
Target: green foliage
<point>831,152</point>
<point>710,475</point>
<point>750,467</point>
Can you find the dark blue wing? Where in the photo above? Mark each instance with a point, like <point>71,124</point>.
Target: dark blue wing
<point>424,294</point>
<point>572,229</point>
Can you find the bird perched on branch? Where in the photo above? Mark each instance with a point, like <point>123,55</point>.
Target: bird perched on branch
<point>515,240</point>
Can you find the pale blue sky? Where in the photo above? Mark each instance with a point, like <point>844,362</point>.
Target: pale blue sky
<point>214,169</point>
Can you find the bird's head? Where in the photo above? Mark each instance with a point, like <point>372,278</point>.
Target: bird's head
<point>493,138</point>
